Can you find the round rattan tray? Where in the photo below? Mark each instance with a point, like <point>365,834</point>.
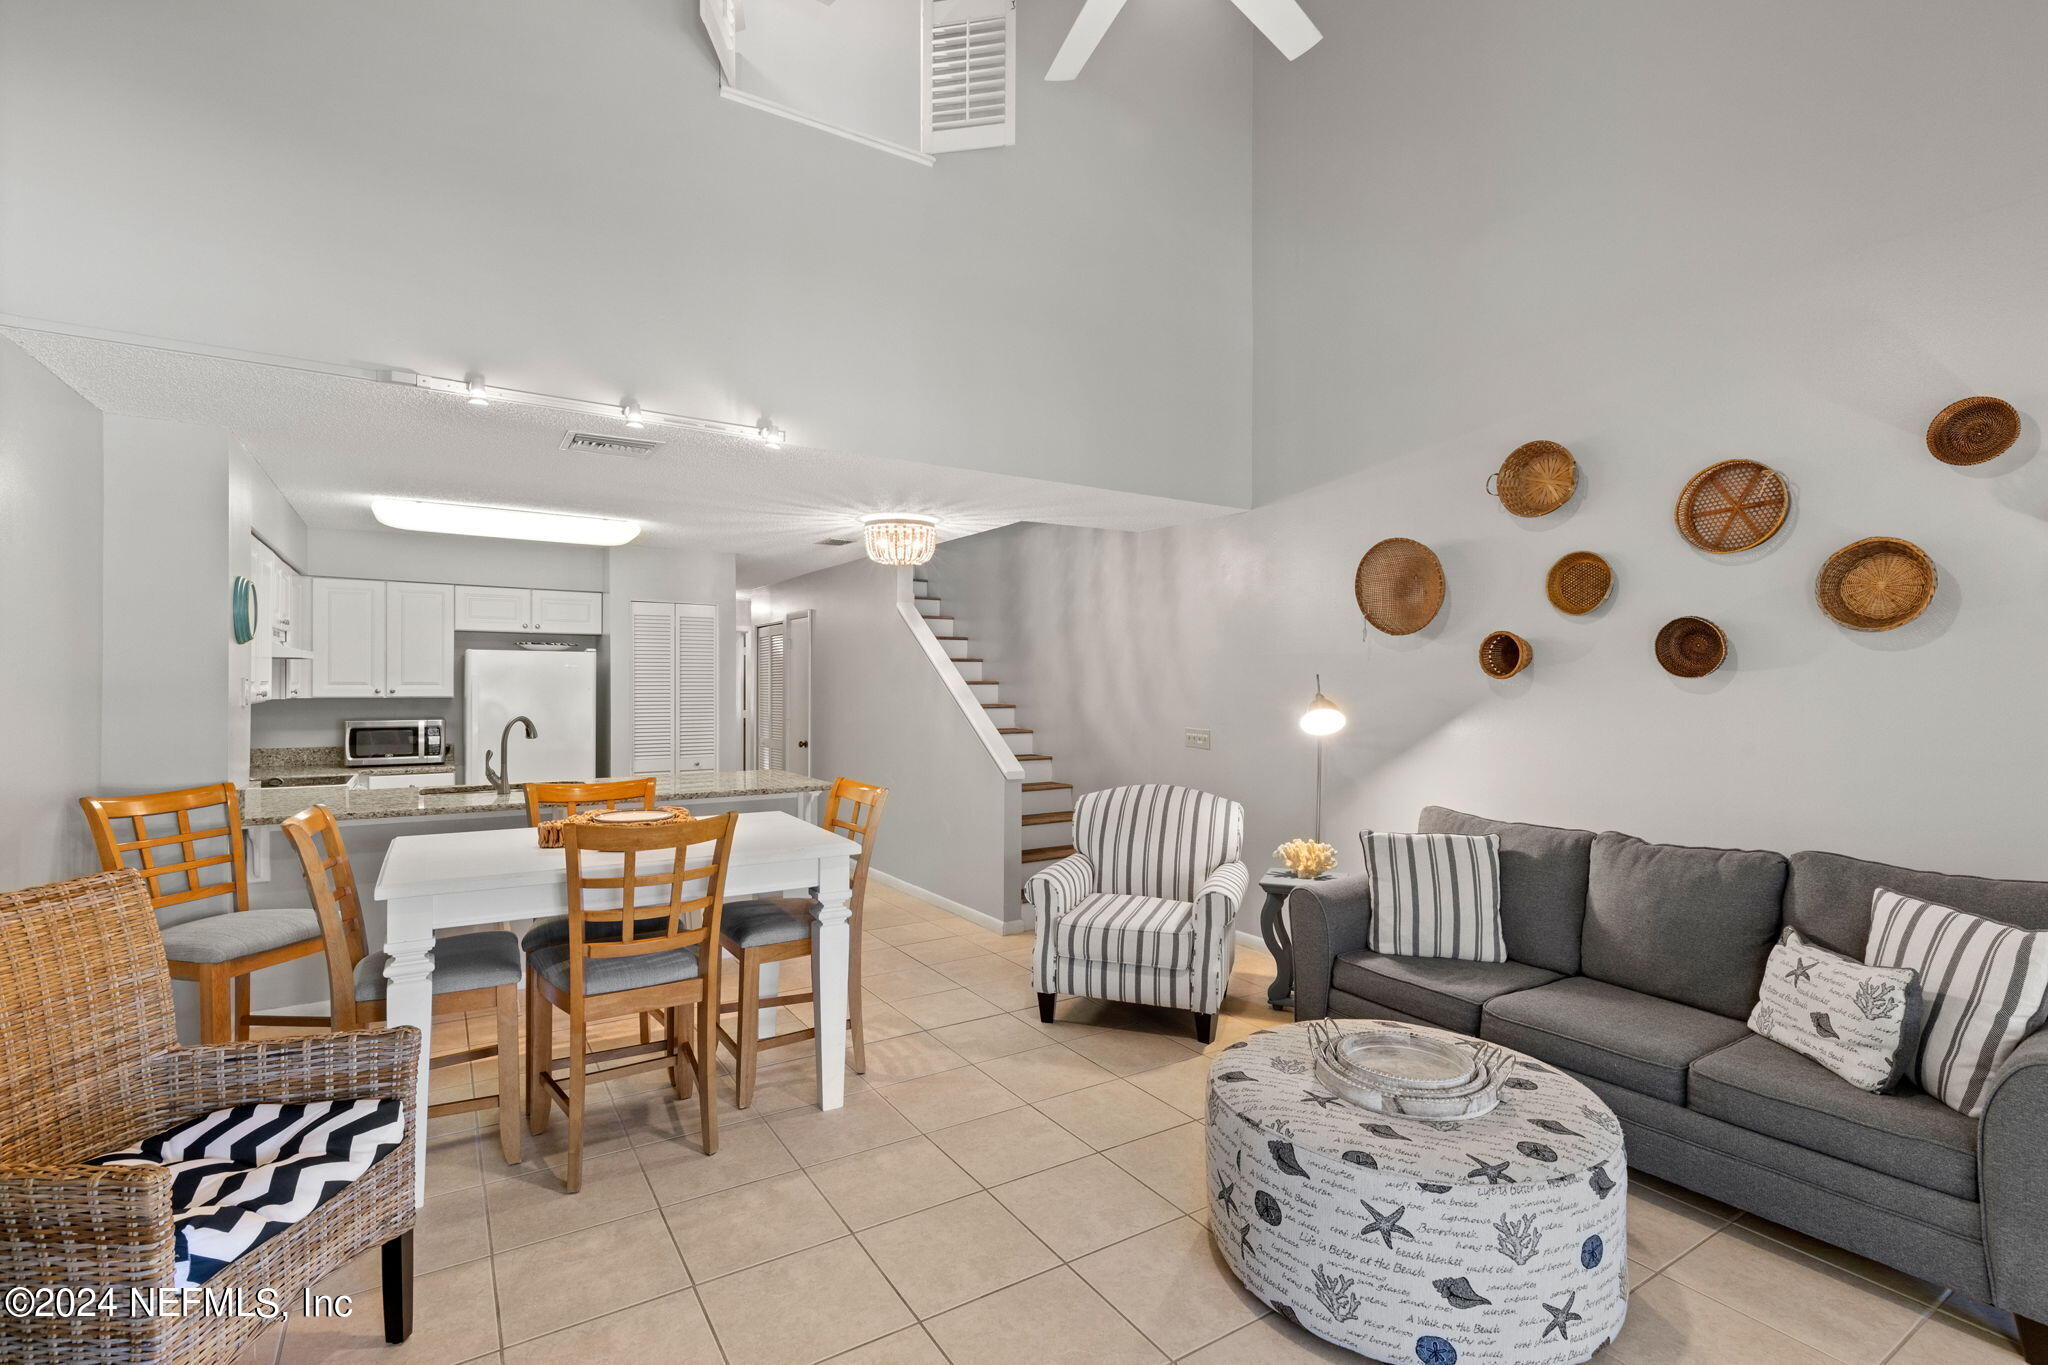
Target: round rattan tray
<point>1691,647</point>
<point>1400,586</point>
<point>1504,654</point>
<point>1579,582</point>
<point>1879,583</point>
<point>550,831</point>
<point>1972,431</point>
<point>1731,506</point>
<point>1536,479</point>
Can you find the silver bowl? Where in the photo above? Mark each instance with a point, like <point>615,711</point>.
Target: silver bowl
<point>1411,1075</point>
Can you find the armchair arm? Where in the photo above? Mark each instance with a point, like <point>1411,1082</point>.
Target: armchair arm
<point>1055,889</point>
<point>2012,1175</point>
<point>1324,921</point>
<point>360,1064</point>
<point>98,1227</point>
<point>1217,900</point>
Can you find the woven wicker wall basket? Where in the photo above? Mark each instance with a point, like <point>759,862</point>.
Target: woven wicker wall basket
<point>1972,431</point>
<point>1691,647</point>
<point>1504,654</point>
<point>1400,586</point>
<point>1536,479</point>
<point>1879,583</point>
<point>1579,582</point>
<point>1731,506</point>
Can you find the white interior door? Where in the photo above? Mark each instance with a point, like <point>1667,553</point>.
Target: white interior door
<point>770,650</point>
<point>796,694</point>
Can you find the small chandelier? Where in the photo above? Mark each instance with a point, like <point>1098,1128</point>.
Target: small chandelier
<point>900,541</point>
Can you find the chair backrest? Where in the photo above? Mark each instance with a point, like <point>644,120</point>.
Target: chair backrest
<point>188,870</point>
<point>324,859</point>
<point>85,1004</point>
<point>854,809</point>
<point>575,796</point>
<point>654,860</point>
<point>1156,840</point>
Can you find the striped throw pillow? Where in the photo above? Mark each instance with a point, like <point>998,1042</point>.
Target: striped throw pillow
<point>1985,986</point>
<point>1436,895</point>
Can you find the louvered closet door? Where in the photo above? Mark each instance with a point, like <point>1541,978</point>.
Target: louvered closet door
<point>675,687</point>
<point>970,75</point>
<point>771,646</point>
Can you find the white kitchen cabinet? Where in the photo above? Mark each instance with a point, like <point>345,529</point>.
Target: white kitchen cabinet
<point>568,613</point>
<point>291,678</point>
<point>523,609</point>
<point>419,640</point>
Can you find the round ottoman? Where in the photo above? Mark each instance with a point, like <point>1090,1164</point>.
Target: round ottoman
<point>1496,1239</point>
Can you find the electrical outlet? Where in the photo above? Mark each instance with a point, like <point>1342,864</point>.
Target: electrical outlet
<point>1198,739</point>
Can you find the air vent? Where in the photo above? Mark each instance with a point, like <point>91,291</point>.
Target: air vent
<point>836,540</point>
<point>591,443</point>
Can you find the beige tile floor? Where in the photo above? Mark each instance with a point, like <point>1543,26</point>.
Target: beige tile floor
<point>995,1190</point>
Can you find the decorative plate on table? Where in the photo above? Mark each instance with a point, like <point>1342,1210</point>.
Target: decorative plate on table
<point>1536,479</point>
<point>1731,506</point>
<point>631,817</point>
<point>1399,585</point>
<point>1579,582</point>
<point>1972,431</point>
<point>1879,583</point>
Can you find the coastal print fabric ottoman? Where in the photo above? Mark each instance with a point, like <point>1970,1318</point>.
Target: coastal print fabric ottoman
<point>1500,1240</point>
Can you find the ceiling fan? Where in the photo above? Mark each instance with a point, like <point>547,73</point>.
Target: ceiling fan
<point>1284,23</point>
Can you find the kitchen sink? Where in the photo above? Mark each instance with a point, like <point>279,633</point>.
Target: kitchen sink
<point>457,791</point>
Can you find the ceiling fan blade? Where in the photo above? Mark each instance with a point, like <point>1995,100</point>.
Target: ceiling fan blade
<point>1284,22</point>
<point>1089,26</point>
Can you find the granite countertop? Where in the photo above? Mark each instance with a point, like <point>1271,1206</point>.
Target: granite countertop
<point>272,805</point>
<point>324,762</point>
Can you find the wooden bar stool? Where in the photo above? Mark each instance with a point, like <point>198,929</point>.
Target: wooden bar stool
<point>217,944</point>
<point>474,971</point>
<point>771,929</point>
<point>630,970</point>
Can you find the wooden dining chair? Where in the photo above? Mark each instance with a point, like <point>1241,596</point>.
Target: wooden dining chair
<point>199,888</point>
<point>472,971</point>
<point>778,929</point>
<point>613,966</point>
<point>559,800</point>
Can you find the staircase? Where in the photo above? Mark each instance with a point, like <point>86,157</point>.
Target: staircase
<point>1048,804</point>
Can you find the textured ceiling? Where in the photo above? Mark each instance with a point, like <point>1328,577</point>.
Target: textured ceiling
<point>333,442</point>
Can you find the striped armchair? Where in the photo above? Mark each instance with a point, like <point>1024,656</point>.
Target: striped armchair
<point>1145,910</point>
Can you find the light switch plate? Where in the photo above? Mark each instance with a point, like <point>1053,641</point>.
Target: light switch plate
<point>1198,739</point>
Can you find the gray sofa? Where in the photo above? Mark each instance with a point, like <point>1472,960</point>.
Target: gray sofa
<point>1634,966</point>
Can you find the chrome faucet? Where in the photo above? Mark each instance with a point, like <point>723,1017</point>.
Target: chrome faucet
<point>502,779</point>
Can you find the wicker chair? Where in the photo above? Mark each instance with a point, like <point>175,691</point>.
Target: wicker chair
<point>89,1063</point>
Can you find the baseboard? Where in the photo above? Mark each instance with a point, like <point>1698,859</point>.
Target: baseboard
<point>1247,939</point>
<point>965,912</point>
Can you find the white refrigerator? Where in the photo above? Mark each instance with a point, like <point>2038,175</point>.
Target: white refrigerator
<point>556,690</point>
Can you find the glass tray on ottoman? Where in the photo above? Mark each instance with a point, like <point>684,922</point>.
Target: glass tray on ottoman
<point>1393,1070</point>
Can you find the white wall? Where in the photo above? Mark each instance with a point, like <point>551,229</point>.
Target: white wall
<point>49,620</point>
<point>420,557</point>
<point>555,195</point>
<point>853,63</point>
<point>880,713</point>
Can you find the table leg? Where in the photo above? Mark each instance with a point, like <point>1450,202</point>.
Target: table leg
<point>1279,942</point>
<point>831,949</point>
<point>409,999</point>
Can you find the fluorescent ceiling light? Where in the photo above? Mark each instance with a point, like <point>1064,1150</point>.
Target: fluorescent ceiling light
<point>506,523</point>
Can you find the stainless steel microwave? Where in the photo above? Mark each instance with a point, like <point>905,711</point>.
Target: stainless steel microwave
<point>393,743</point>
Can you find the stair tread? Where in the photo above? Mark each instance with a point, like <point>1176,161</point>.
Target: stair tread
<point>965,658</point>
<point>1050,817</point>
<point>924,599</point>
<point>1046,786</point>
<point>1026,758</point>
<point>1015,730</point>
<point>998,705</point>
<point>951,637</point>
<point>1047,855</point>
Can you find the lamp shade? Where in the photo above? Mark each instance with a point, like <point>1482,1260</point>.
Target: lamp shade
<point>900,541</point>
<point>1322,717</point>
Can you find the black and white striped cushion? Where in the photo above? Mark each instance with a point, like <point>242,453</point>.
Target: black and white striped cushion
<point>1155,840</point>
<point>1435,895</point>
<point>241,1176</point>
<point>1984,986</point>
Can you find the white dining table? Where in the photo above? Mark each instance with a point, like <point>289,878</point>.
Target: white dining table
<point>467,878</point>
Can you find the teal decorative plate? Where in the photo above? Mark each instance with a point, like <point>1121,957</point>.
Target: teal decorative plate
<point>245,610</point>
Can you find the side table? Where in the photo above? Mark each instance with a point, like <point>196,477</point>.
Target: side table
<point>1277,883</point>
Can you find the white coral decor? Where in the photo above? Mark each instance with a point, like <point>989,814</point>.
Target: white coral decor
<point>1306,858</point>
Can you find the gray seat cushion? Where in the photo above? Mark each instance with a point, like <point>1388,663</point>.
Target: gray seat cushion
<point>1543,873</point>
<point>1444,991</point>
<point>239,933</point>
<point>1828,897</point>
<point>759,923</point>
<point>1773,1090</point>
<point>604,975</point>
<point>462,962</point>
<point>1692,925</point>
<point>550,933</point>
<point>1603,1030</point>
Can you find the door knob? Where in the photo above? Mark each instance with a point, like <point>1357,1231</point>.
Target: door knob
<point>803,744</point>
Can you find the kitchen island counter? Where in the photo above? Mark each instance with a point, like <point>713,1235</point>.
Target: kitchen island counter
<point>272,805</point>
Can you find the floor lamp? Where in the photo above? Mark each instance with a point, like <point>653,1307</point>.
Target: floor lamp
<point>1322,719</point>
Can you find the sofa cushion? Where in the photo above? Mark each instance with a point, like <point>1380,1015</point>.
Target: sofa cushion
<point>1691,925</point>
<point>1445,991</point>
<point>1828,896</point>
<point>1542,884</point>
<point>1773,1090</point>
<point>1603,1030</point>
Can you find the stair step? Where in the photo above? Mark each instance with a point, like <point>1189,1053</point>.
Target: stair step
<point>1041,758</point>
<point>949,637</point>
<point>998,705</point>
<point>1015,730</point>
<point>1048,855</point>
<point>924,599</point>
<point>963,658</point>
<point>1051,817</point>
<point>1046,786</point>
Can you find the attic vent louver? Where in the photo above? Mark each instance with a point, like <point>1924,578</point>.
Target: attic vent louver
<point>970,75</point>
<point>591,443</point>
